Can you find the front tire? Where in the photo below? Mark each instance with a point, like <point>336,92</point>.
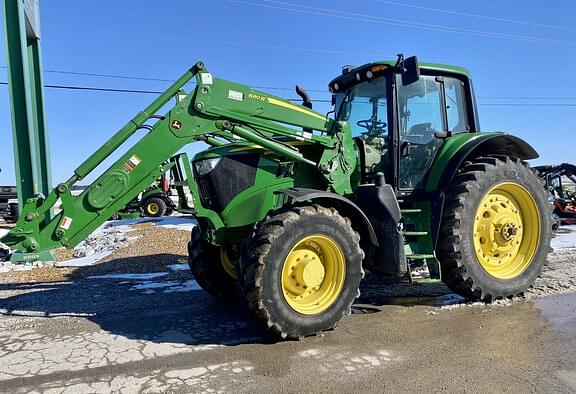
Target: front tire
<point>495,231</point>
<point>301,271</point>
<point>212,268</point>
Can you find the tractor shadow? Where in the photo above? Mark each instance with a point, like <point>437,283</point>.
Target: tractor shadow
<point>154,298</point>
<point>140,298</point>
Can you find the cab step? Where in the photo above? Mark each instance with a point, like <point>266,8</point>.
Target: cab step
<point>419,256</point>
<point>411,210</point>
<point>415,233</point>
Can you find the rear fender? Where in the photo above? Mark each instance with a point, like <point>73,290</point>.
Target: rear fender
<point>489,144</point>
<point>447,168</point>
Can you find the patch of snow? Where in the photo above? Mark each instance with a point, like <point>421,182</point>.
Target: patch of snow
<point>565,238</point>
<point>23,313</point>
<point>185,223</point>
<point>84,261</point>
<point>201,348</point>
<point>179,267</point>
<point>147,276</point>
<point>8,266</point>
<point>189,285</point>
<point>146,285</point>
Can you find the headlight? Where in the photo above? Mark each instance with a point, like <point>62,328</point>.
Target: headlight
<point>203,167</point>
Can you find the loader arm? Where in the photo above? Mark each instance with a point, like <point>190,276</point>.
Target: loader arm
<point>216,112</point>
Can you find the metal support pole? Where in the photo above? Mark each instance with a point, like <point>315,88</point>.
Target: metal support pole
<point>31,152</point>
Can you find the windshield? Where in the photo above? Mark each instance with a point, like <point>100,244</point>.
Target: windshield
<point>364,106</point>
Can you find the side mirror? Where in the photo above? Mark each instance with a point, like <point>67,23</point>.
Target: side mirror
<point>411,70</point>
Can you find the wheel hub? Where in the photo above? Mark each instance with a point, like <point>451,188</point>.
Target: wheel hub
<point>307,271</point>
<point>508,231</point>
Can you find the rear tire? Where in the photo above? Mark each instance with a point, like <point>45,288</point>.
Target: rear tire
<point>301,271</point>
<point>495,232</point>
<point>207,267</point>
<point>155,207</point>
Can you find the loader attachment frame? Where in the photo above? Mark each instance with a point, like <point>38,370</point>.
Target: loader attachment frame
<point>216,112</point>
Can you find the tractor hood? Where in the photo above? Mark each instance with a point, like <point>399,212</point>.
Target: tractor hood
<point>242,147</point>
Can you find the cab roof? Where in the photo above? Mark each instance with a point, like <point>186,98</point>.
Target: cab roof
<point>391,63</point>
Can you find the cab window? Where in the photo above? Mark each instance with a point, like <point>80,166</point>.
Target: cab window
<point>365,108</point>
<point>456,106</point>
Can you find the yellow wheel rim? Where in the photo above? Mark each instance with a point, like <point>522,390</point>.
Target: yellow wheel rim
<point>227,263</point>
<point>506,230</point>
<point>313,274</point>
<point>152,208</point>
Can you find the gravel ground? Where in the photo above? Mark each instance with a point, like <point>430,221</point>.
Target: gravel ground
<point>152,249</point>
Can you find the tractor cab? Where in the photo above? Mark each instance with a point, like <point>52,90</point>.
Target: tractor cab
<point>401,114</point>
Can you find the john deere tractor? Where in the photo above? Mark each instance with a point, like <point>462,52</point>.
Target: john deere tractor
<point>293,205</point>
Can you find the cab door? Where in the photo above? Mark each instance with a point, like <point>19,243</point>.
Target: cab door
<point>427,107</point>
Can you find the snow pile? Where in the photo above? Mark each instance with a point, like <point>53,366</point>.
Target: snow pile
<point>113,235</point>
<point>99,245</point>
<point>102,241</point>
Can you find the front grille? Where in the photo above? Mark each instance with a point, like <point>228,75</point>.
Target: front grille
<point>232,175</point>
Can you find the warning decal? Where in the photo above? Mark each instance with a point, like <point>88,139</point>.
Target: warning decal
<point>66,223</point>
<point>131,163</point>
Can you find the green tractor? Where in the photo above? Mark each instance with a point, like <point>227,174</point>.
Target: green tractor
<point>293,205</point>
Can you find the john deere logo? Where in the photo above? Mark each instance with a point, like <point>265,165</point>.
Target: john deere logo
<point>176,124</point>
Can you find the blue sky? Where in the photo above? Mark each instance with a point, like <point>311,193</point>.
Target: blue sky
<point>520,53</point>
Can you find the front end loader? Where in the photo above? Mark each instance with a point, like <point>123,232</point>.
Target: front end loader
<point>293,205</point>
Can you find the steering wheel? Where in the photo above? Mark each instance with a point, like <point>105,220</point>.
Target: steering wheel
<point>374,127</point>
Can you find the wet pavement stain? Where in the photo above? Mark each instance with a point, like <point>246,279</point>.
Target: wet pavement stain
<point>560,311</point>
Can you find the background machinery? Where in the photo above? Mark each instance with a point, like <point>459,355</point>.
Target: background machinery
<point>562,195</point>
<point>169,193</point>
<point>292,205</point>
<point>8,203</point>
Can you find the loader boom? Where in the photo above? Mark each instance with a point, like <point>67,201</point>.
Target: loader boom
<point>216,112</point>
